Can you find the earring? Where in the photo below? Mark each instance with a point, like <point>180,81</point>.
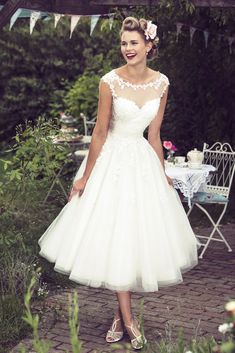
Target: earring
<point>147,52</point>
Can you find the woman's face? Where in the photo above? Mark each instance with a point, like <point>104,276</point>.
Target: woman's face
<point>134,47</point>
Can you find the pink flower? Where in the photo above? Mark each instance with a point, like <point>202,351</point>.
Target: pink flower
<point>151,30</point>
<point>173,148</point>
<point>168,145</point>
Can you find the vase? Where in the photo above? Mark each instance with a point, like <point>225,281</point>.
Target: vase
<point>170,156</point>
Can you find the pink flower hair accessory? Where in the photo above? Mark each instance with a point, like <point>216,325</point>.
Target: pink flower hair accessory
<point>151,30</point>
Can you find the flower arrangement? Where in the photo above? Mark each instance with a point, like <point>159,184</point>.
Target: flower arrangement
<point>170,150</point>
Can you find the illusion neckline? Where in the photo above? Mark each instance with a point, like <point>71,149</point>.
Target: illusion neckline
<point>128,83</point>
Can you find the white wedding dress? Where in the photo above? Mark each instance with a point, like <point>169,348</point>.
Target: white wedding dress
<point>128,230</point>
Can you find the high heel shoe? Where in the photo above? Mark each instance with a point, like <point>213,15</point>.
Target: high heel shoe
<point>139,341</point>
<point>112,335</point>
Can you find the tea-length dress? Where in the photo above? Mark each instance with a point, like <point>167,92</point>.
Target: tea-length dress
<point>128,230</point>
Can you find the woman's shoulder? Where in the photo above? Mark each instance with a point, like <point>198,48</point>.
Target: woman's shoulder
<point>158,76</point>
<point>164,78</point>
<point>109,76</point>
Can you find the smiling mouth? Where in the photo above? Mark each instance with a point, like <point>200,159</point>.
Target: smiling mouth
<point>130,56</point>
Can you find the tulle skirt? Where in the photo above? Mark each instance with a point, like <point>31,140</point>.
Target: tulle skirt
<point>128,230</point>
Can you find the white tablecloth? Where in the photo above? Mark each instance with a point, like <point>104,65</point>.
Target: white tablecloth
<point>189,180</point>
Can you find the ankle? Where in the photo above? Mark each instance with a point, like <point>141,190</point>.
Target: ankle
<point>129,321</point>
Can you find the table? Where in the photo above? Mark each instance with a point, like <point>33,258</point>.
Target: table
<point>189,180</point>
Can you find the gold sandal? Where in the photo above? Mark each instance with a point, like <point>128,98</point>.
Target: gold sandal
<point>139,341</point>
<point>112,335</point>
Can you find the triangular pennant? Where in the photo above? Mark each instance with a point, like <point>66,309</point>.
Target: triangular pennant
<point>94,20</point>
<point>192,31</point>
<point>178,30</point>
<point>74,22</point>
<point>111,18</point>
<point>35,15</point>
<point>57,17</point>
<point>14,18</point>
<point>230,42</point>
<point>206,36</point>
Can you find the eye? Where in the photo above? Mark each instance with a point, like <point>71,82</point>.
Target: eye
<point>123,43</point>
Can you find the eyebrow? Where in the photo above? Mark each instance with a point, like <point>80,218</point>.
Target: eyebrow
<point>132,40</point>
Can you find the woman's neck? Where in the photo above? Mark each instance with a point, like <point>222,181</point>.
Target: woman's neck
<point>136,73</point>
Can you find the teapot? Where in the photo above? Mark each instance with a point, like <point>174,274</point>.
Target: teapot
<point>195,157</point>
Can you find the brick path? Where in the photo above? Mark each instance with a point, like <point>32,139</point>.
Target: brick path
<point>195,305</point>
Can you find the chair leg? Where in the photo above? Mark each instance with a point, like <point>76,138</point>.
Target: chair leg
<point>190,210</point>
<point>56,179</point>
<point>215,229</point>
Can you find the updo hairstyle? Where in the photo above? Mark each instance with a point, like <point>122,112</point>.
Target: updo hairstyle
<point>133,24</point>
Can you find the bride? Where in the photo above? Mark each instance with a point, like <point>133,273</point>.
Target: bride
<point>124,227</point>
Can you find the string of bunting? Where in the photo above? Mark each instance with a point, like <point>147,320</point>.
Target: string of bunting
<point>206,33</point>
<point>36,15</point>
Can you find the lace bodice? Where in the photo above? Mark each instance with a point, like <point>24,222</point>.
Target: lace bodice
<point>134,105</point>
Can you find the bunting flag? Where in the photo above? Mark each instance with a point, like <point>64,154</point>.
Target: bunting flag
<point>192,31</point>
<point>111,19</point>
<point>178,30</point>
<point>94,20</point>
<point>57,17</point>
<point>230,42</point>
<point>74,22</point>
<point>14,18</point>
<point>206,36</point>
<point>35,15</point>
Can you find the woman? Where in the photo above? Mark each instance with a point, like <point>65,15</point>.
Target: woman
<point>124,227</point>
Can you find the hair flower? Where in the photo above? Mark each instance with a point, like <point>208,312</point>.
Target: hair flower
<point>151,30</point>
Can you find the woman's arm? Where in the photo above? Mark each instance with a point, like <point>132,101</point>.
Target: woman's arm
<point>98,136</point>
<point>101,127</point>
<point>154,131</point>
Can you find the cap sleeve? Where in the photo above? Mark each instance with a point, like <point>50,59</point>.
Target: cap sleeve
<point>109,79</point>
<point>164,84</point>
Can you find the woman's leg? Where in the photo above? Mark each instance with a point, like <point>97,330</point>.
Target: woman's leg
<point>124,300</point>
<point>129,322</point>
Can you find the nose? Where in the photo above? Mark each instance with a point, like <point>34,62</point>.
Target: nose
<point>128,47</point>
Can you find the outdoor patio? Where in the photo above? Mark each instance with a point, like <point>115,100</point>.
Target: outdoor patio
<point>196,305</point>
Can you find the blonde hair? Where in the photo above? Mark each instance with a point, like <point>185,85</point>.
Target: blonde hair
<point>133,24</point>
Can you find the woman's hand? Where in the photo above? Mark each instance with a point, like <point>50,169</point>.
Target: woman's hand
<point>170,181</point>
<point>78,187</point>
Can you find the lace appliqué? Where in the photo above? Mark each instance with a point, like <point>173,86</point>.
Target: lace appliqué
<point>155,84</point>
<point>112,77</point>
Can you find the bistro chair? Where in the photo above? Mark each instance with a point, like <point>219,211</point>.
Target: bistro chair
<point>217,190</point>
<point>76,155</point>
<point>86,140</point>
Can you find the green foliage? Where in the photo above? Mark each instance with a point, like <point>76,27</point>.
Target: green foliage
<point>43,346</point>
<point>83,96</point>
<point>15,274</point>
<point>35,154</point>
<point>12,328</point>
<point>40,346</point>
<point>74,323</point>
<point>26,173</point>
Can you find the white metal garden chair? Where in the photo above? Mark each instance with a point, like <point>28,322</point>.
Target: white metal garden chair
<point>222,157</point>
<point>88,128</point>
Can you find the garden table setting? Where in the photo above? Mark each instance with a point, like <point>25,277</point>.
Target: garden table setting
<point>189,177</point>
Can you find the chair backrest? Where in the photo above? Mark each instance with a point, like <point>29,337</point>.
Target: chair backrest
<point>88,124</point>
<point>222,157</point>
